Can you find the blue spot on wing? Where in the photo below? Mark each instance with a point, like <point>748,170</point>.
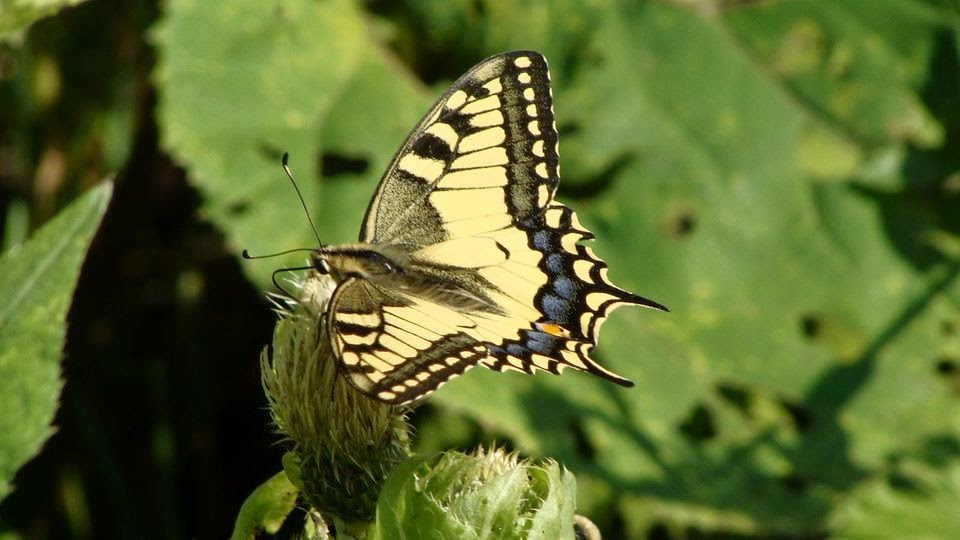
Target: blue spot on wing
<point>541,342</point>
<point>555,263</point>
<point>555,308</point>
<point>494,350</point>
<point>516,350</point>
<point>541,240</point>
<point>565,287</point>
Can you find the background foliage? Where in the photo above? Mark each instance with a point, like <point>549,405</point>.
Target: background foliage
<point>785,175</point>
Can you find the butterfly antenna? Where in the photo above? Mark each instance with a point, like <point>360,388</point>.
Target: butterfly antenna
<point>246,254</point>
<point>273,278</point>
<point>306,211</point>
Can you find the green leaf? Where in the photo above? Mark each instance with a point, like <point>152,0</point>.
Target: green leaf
<point>799,325</point>
<point>778,173</point>
<point>297,78</point>
<point>487,495</point>
<point>923,506</point>
<point>266,508</point>
<point>18,14</point>
<point>37,281</point>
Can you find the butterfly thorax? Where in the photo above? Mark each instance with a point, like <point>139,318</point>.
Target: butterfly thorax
<point>361,260</point>
<point>394,269</point>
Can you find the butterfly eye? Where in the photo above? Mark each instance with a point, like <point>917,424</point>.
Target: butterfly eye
<point>320,265</point>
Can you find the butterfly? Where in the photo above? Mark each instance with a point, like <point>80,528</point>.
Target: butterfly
<point>465,258</point>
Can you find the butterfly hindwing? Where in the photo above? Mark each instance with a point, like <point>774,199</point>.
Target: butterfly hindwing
<point>393,349</point>
<point>572,303</point>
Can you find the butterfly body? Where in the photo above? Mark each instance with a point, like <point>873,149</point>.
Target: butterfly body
<point>465,258</point>
<point>393,268</point>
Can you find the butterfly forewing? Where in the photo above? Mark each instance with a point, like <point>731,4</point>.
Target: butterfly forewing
<point>469,201</point>
<point>485,155</point>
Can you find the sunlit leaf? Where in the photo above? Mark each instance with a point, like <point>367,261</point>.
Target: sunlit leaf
<point>37,281</point>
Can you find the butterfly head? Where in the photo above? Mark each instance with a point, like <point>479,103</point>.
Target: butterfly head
<point>356,260</point>
<point>319,263</point>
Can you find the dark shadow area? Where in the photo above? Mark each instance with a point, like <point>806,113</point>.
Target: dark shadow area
<point>162,430</point>
<point>333,165</point>
<point>699,426</point>
<point>826,441</point>
<point>588,187</point>
<point>929,199</point>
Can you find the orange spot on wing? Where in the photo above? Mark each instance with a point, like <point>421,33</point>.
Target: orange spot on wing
<point>553,329</point>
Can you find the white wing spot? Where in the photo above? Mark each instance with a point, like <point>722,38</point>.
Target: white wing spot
<point>532,110</point>
<point>543,195</point>
<point>386,396</point>
<point>538,149</point>
<point>524,77</point>
<point>529,94</point>
<point>582,269</point>
<point>522,62</point>
<point>553,216</point>
<point>534,127</point>
<point>569,242</point>
<point>541,169</point>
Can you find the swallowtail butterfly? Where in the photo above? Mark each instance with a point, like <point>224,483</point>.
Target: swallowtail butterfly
<point>465,258</point>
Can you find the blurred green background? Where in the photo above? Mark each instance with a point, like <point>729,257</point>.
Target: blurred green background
<point>784,175</point>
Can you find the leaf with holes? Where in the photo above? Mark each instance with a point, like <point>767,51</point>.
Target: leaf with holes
<point>919,501</point>
<point>233,101</point>
<point>778,173</point>
<point>807,307</point>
